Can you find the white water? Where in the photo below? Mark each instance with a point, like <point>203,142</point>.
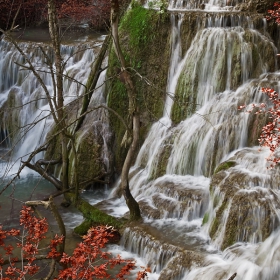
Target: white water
<point>186,5</point>
<point>216,132</point>
<point>23,91</point>
<point>174,203</point>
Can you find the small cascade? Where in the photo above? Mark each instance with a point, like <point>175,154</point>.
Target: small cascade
<point>148,248</point>
<point>185,5</point>
<point>244,204</point>
<point>23,100</point>
<point>148,154</point>
<point>173,196</point>
<point>249,261</point>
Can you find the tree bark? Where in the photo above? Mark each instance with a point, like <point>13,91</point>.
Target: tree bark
<point>92,81</point>
<point>134,116</point>
<point>58,87</point>
<point>39,169</point>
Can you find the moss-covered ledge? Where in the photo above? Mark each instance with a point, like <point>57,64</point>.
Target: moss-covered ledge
<point>93,216</point>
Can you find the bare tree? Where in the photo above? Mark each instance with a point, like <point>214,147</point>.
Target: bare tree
<point>133,116</point>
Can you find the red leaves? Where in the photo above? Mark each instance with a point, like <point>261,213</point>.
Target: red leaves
<point>53,253</point>
<point>27,11</point>
<point>88,260</point>
<point>82,263</point>
<point>275,13</point>
<point>270,136</point>
<point>33,231</point>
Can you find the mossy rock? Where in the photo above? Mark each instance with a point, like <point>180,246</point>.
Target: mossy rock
<point>218,219</point>
<point>83,228</point>
<point>255,124</point>
<point>205,218</point>
<point>243,212</point>
<point>224,166</point>
<point>144,38</point>
<point>93,216</point>
<point>89,156</point>
<point>162,158</point>
<point>89,146</point>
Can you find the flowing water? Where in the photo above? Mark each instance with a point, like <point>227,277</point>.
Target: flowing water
<point>23,103</point>
<point>174,241</point>
<point>171,177</point>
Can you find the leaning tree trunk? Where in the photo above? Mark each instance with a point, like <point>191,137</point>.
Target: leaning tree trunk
<point>134,116</point>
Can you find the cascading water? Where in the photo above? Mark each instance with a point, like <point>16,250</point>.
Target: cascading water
<point>23,103</point>
<point>22,98</point>
<point>224,66</point>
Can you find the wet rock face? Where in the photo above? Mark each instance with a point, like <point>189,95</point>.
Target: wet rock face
<point>199,69</point>
<point>243,205</point>
<point>91,160</point>
<point>165,258</point>
<point>10,119</point>
<point>144,37</point>
<point>175,200</point>
<point>260,6</point>
<point>181,262</point>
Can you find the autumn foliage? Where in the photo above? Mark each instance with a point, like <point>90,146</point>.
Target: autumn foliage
<point>275,13</point>
<point>88,260</point>
<point>270,135</point>
<point>32,12</point>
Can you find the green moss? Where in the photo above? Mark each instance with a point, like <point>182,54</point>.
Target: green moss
<point>216,201</point>
<point>205,218</point>
<point>230,234</point>
<point>224,166</point>
<point>83,227</point>
<point>94,216</point>
<point>217,220</point>
<point>214,227</point>
<point>162,162</point>
<point>138,23</point>
<point>185,95</point>
<point>89,151</point>
<point>117,100</point>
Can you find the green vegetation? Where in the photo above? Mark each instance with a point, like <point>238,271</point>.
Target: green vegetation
<point>205,218</point>
<point>217,220</point>
<point>92,215</point>
<point>137,22</point>
<point>224,166</point>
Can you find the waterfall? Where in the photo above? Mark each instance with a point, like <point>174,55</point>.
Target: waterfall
<point>210,205</point>
<point>186,201</point>
<point>26,118</point>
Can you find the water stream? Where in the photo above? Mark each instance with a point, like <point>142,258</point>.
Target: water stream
<point>174,178</point>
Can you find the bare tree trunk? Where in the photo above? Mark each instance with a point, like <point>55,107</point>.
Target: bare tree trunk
<point>58,87</point>
<point>92,81</point>
<point>134,117</point>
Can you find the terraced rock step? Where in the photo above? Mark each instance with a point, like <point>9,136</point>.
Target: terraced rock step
<point>159,252</point>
